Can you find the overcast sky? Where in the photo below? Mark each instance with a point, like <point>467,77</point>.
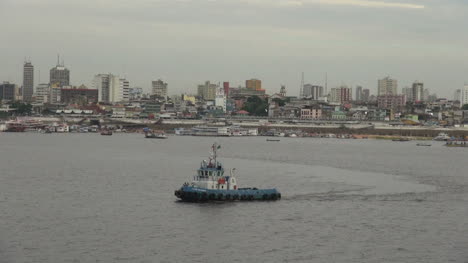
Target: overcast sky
<point>185,42</point>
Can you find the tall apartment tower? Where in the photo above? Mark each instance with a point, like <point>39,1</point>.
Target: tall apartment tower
<point>408,92</point>
<point>59,75</point>
<point>28,81</point>
<point>418,91</point>
<point>358,93</point>
<point>457,95</point>
<point>365,95</point>
<point>159,88</point>
<point>387,86</point>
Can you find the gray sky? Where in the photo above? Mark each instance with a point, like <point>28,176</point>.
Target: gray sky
<point>186,42</point>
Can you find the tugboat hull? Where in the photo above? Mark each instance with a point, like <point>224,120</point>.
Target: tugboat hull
<point>193,194</point>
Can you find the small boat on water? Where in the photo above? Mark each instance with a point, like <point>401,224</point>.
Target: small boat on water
<point>401,140</point>
<point>272,140</point>
<point>423,144</point>
<point>155,136</point>
<point>442,137</point>
<point>212,184</point>
<point>106,132</point>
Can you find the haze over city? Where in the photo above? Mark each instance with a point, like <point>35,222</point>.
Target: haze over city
<point>187,42</point>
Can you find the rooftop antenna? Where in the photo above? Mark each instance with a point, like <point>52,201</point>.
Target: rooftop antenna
<point>58,59</point>
<point>301,92</point>
<point>326,82</point>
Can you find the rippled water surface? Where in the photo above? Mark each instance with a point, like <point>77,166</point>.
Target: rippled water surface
<point>91,198</point>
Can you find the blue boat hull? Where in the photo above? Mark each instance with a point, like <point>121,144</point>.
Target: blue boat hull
<point>194,194</point>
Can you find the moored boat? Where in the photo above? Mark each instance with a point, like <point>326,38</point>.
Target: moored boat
<point>423,144</point>
<point>212,184</point>
<point>401,140</point>
<point>106,132</point>
<point>442,137</point>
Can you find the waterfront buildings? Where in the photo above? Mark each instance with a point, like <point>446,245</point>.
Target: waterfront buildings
<point>417,91</point>
<point>159,88</point>
<point>312,91</point>
<point>7,91</point>
<point>111,88</point>
<point>391,102</point>
<point>207,91</point>
<point>79,95</point>
<point>42,93</point>
<point>28,81</point>
<point>387,86</point>
<point>55,94</point>
<point>253,84</point>
<point>59,75</point>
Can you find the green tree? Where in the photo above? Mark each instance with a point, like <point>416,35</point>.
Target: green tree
<point>256,106</point>
<point>22,108</point>
<point>465,107</point>
<point>280,102</point>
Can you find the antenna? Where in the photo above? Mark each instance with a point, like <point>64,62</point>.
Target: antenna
<point>58,59</point>
<point>301,92</point>
<point>326,83</point>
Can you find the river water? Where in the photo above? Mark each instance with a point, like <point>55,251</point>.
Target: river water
<point>91,198</point>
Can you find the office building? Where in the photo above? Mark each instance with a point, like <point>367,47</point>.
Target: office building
<point>79,95</point>
<point>253,84</point>
<point>111,88</point>
<point>341,95</point>
<point>7,91</point>
<point>391,102</point>
<point>365,95</point>
<point>42,93</point>
<point>59,75</point>
<point>408,92</point>
<point>28,81</point>
<point>457,95</point>
<point>159,88</point>
<point>464,95</point>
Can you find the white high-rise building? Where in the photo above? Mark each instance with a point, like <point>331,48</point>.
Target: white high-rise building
<point>42,93</point>
<point>418,91</point>
<point>312,91</point>
<point>111,88</point>
<point>387,86</point>
<point>464,97</point>
<point>220,100</point>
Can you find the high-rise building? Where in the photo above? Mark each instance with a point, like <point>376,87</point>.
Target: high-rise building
<point>464,96</point>
<point>226,88</point>
<point>341,94</point>
<point>426,95</point>
<point>358,93</point>
<point>111,88</point>
<point>159,88</point>
<point>283,91</point>
<point>55,94</point>
<point>28,81</point>
<point>387,86</point>
<point>220,100</point>
<point>207,91</point>
<point>42,93</point>
<point>59,75</point>
<point>408,92</point>
<point>457,95</point>
<point>7,91</point>
<point>418,91</point>
<point>365,95</point>
<point>312,91</point>
<point>253,84</point>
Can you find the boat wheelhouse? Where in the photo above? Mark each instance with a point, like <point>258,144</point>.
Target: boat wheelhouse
<point>212,183</point>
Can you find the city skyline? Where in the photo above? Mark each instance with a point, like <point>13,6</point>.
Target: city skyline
<point>273,41</point>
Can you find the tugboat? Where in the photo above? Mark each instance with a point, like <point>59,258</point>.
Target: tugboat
<point>211,184</point>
